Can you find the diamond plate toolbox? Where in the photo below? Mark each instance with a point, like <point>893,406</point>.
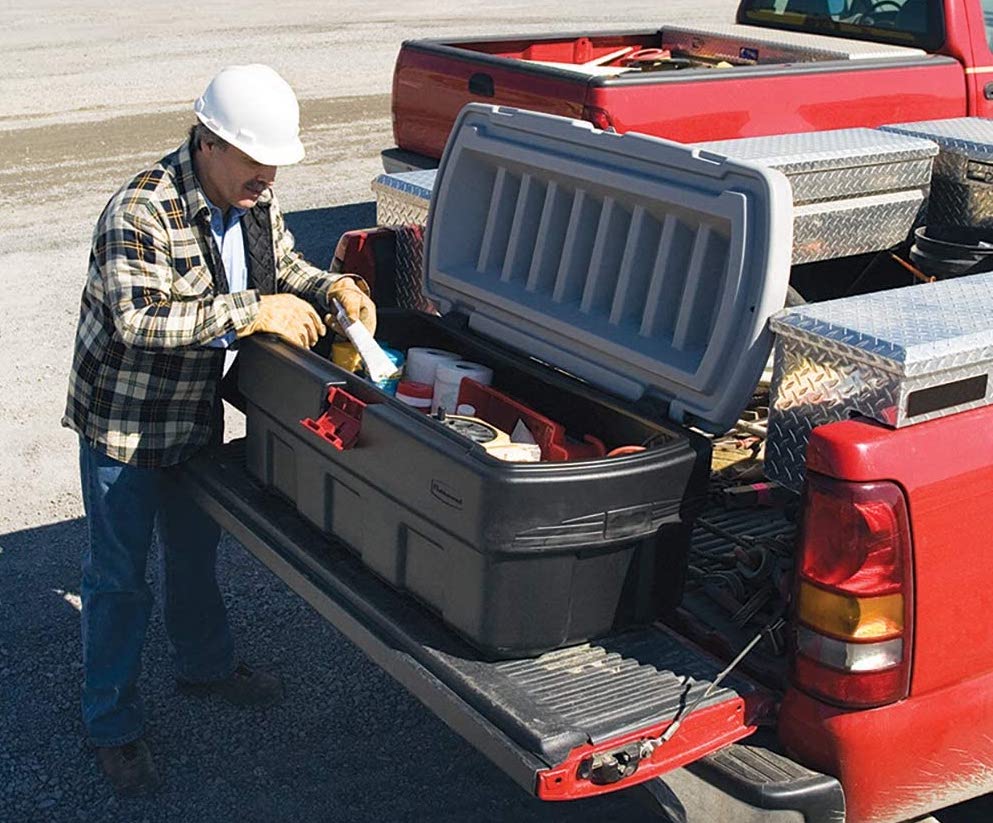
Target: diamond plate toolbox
<point>962,184</point>
<point>402,202</point>
<point>854,190</point>
<point>901,357</point>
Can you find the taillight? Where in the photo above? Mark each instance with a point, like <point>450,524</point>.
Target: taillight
<point>598,117</point>
<point>854,597</point>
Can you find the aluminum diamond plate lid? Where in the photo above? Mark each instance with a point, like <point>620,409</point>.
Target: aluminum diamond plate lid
<point>901,357</point>
<point>820,150</point>
<point>414,184</point>
<point>846,163</point>
<point>916,330</point>
<point>800,45</point>
<point>968,135</point>
<point>962,183</point>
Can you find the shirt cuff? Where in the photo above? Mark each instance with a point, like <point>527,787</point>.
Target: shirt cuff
<point>223,342</point>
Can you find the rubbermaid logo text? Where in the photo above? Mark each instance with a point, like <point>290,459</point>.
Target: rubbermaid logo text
<point>446,494</point>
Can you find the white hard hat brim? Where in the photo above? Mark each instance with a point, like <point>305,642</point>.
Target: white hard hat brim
<point>287,155</point>
<point>283,156</point>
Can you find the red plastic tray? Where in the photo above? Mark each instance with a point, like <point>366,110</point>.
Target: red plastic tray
<point>502,411</point>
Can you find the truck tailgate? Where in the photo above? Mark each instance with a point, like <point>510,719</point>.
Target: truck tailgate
<point>549,721</point>
<point>433,81</point>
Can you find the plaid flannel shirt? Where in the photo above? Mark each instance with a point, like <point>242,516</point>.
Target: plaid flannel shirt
<point>144,386</point>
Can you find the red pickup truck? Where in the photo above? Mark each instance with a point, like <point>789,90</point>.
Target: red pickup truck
<point>866,693</point>
<point>786,66</point>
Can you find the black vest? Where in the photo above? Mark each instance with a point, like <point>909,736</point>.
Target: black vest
<point>260,257</point>
<point>256,228</point>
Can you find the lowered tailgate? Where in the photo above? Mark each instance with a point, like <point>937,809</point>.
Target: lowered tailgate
<point>558,724</point>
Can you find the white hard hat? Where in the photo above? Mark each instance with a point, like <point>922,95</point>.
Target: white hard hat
<point>255,110</point>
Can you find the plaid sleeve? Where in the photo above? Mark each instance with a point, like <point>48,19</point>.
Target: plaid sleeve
<point>154,296</point>
<point>293,273</point>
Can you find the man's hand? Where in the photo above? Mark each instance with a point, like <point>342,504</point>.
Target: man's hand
<point>354,298</point>
<point>288,316</point>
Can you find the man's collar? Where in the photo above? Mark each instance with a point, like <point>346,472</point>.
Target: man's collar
<point>188,185</point>
<point>237,211</point>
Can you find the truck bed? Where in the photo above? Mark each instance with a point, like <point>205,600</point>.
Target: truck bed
<point>613,80</point>
<point>538,719</point>
<point>696,47</point>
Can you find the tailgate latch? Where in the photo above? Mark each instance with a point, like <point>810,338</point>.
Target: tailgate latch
<point>609,767</point>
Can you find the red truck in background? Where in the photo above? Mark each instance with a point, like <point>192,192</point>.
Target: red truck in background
<point>787,66</point>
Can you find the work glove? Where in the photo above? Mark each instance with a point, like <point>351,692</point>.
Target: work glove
<point>289,317</point>
<point>353,294</point>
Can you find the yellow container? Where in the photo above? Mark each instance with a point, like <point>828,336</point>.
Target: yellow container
<point>344,354</point>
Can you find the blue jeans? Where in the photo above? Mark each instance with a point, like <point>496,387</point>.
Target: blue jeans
<point>124,505</point>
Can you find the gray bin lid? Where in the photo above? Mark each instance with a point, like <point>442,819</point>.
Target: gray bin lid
<point>646,267</point>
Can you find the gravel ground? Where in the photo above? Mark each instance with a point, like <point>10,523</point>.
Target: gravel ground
<point>88,94</point>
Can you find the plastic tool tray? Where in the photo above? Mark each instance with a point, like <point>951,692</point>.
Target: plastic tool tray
<point>628,283</point>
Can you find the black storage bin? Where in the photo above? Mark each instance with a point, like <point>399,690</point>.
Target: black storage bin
<point>642,279</point>
<point>517,557</point>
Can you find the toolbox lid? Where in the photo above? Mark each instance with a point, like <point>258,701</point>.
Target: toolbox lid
<point>646,267</point>
<point>924,329</point>
<point>819,163</point>
<point>825,150</point>
<point>972,136</point>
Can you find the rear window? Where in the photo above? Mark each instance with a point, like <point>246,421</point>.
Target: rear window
<point>988,21</point>
<point>915,23</point>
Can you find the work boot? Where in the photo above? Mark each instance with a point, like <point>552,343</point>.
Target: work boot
<point>129,768</point>
<point>245,686</point>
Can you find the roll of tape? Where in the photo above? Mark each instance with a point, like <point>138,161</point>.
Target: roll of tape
<point>414,394</point>
<point>478,431</point>
<point>422,363</point>
<point>450,376</point>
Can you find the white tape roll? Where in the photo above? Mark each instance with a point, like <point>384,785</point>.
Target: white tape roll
<point>422,364</point>
<point>448,379</point>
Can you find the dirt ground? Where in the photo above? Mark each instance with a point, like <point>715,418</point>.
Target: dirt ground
<point>89,93</point>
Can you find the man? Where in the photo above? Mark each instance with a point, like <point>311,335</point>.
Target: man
<point>189,256</point>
